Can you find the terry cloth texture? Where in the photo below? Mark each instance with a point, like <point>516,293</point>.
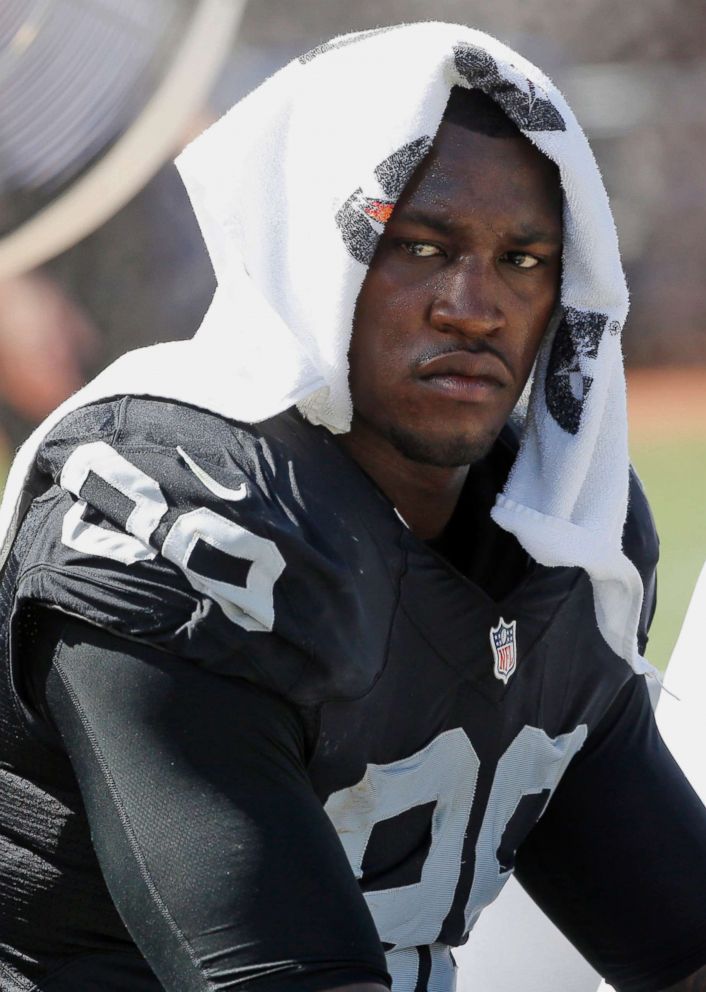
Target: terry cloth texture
<point>292,188</point>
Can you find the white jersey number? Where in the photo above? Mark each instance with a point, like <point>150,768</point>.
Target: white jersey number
<point>444,772</point>
<point>250,604</point>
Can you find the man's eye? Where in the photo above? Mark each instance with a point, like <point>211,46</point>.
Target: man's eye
<point>522,260</point>
<point>420,249</point>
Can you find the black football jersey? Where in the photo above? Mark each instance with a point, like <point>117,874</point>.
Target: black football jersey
<point>448,691</point>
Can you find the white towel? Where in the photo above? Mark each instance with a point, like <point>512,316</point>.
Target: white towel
<point>291,189</point>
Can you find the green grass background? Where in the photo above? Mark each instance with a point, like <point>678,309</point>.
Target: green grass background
<point>674,476</point>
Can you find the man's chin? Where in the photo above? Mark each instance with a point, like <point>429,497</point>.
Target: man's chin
<point>442,452</point>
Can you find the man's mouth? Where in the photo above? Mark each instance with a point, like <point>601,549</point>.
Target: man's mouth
<point>465,375</point>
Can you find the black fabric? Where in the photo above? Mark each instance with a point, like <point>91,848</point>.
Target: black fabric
<point>369,698</point>
<point>104,971</point>
<point>160,808</point>
<point>216,852</point>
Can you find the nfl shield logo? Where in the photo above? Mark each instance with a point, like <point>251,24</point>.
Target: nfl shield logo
<point>503,641</point>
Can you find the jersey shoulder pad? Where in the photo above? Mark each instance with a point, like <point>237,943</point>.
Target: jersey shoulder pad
<point>641,545</point>
<point>238,546</point>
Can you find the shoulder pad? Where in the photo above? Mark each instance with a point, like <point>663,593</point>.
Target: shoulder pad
<point>260,551</point>
<point>641,545</point>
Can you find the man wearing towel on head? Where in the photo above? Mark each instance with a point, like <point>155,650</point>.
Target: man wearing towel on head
<point>310,640</point>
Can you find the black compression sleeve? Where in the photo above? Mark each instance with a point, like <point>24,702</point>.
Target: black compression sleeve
<point>618,861</point>
<point>216,851</point>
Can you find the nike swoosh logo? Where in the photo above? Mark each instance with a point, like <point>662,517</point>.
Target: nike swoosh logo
<point>223,492</point>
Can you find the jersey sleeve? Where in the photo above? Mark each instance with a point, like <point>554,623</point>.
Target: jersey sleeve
<point>208,550</point>
<point>613,863</point>
<point>216,852</point>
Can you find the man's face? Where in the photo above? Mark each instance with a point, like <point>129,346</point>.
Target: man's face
<point>456,300</point>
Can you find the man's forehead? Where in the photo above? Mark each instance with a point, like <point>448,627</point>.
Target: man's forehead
<point>478,112</point>
<point>467,170</point>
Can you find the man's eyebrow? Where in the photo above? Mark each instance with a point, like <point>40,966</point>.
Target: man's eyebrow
<point>524,235</point>
<point>437,222</point>
<point>537,235</point>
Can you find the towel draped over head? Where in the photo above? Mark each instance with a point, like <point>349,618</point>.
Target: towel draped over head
<point>292,188</point>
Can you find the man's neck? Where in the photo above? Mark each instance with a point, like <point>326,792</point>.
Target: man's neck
<point>425,496</point>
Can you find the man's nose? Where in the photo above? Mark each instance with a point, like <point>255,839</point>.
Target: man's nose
<point>467,300</point>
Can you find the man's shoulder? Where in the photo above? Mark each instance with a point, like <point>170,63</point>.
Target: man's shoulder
<point>256,549</point>
<point>641,545</point>
<point>280,475</point>
<point>130,423</point>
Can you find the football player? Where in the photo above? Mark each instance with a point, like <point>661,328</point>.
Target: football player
<point>281,708</point>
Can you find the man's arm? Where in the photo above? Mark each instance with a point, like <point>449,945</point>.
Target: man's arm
<point>618,860</point>
<point>216,851</point>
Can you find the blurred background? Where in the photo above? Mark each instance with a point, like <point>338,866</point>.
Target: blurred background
<point>99,251</point>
